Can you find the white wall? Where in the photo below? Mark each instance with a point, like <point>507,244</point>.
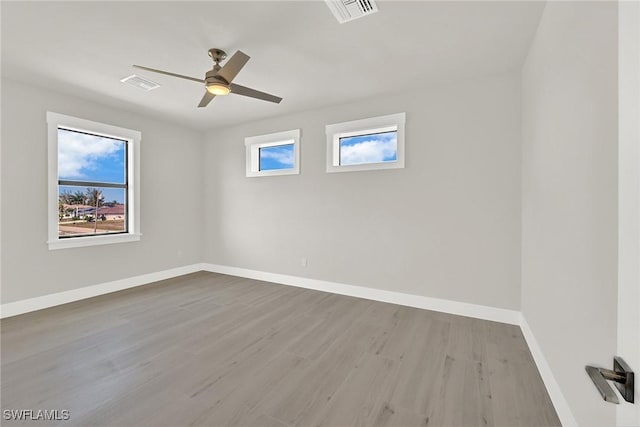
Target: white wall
<point>629,198</point>
<point>569,197</point>
<point>446,226</point>
<point>171,206</point>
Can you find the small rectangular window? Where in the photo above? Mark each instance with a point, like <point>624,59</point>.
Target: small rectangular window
<point>93,183</point>
<point>273,154</point>
<point>374,143</point>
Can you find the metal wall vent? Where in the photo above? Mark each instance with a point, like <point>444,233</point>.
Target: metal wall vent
<point>348,10</point>
<point>140,82</point>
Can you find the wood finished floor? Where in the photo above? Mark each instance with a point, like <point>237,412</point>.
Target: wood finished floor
<point>214,350</point>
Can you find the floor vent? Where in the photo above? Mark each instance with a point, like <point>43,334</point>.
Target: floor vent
<point>348,10</point>
<point>140,82</point>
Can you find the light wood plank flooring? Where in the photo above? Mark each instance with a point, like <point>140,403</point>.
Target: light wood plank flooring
<point>214,350</point>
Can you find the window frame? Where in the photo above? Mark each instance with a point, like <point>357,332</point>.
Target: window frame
<point>132,138</point>
<point>364,127</point>
<point>253,144</point>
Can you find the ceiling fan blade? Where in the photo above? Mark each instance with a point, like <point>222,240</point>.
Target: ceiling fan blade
<point>206,99</point>
<point>169,74</point>
<point>233,66</point>
<point>247,91</point>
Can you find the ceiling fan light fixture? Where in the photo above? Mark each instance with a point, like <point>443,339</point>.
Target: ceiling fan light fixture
<point>219,89</point>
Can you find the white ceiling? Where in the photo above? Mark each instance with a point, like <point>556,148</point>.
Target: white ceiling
<point>298,50</point>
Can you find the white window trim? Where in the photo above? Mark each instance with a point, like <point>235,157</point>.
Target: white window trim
<point>254,143</point>
<point>133,138</point>
<point>360,127</point>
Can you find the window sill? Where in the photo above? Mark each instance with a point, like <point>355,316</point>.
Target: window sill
<point>398,164</point>
<point>273,172</point>
<point>80,242</point>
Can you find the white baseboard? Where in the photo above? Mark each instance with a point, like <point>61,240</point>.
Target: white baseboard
<point>46,301</point>
<point>418,301</point>
<point>553,388</point>
<point>447,306</point>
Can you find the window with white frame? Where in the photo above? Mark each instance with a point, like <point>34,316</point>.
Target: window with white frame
<point>273,154</point>
<point>367,144</point>
<point>93,183</point>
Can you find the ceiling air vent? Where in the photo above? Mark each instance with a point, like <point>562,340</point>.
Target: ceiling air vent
<point>140,82</point>
<point>348,10</point>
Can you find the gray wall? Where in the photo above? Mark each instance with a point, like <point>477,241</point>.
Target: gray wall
<point>446,226</point>
<point>569,194</point>
<point>171,202</point>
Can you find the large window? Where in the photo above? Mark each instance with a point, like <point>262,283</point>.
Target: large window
<point>273,154</point>
<point>93,183</point>
<point>374,143</point>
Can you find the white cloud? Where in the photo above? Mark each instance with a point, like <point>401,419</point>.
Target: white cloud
<point>281,155</point>
<point>374,150</point>
<point>79,152</point>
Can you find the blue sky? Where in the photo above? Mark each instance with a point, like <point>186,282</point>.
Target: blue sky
<point>276,157</point>
<point>84,157</point>
<point>90,157</point>
<point>374,148</point>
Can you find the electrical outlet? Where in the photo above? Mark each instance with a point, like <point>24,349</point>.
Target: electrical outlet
<point>303,262</point>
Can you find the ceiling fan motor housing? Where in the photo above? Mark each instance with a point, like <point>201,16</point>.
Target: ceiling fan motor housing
<point>212,76</point>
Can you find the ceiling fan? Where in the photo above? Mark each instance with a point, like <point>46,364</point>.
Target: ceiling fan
<point>218,80</point>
